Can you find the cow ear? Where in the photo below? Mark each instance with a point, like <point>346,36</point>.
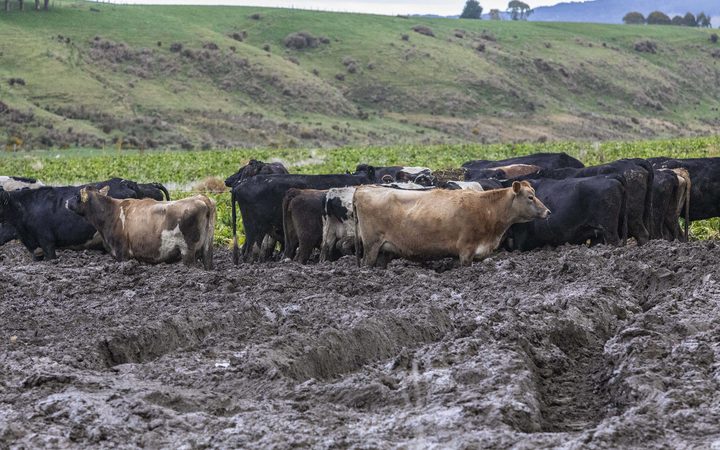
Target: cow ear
<point>526,184</point>
<point>516,186</point>
<point>84,197</point>
<point>104,191</point>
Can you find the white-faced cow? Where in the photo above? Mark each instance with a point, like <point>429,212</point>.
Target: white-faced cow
<point>149,230</point>
<point>421,225</point>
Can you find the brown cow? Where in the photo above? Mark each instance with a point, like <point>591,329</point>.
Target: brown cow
<point>302,222</point>
<point>439,223</point>
<point>149,230</point>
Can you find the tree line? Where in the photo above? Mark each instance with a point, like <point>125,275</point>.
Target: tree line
<point>517,10</point>
<point>21,5</point>
<point>702,20</point>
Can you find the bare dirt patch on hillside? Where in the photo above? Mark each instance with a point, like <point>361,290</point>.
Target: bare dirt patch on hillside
<point>604,347</point>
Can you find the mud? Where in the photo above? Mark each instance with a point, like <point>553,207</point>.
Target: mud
<point>574,347</point>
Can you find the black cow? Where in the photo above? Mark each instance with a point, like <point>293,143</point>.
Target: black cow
<point>544,160</point>
<point>705,178</point>
<point>255,167</point>
<point>637,176</point>
<point>664,223</point>
<point>260,200</point>
<point>584,209</point>
<point>41,219</point>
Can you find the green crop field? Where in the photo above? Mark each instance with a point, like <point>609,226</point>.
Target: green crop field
<point>158,77</point>
<point>181,170</point>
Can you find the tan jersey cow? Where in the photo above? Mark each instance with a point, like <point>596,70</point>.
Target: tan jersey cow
<point>149,230</point>
<point>422,225</point>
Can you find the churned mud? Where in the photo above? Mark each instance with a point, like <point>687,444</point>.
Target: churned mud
<point>575,347</point>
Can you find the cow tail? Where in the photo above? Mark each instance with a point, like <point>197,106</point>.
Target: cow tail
<point>688,188</point>
<point>623,211</point>
<point>647,219</point>
<point>163,189</point>
<point>286,223</point>
<point>236,252</point>
<point>358,239</point>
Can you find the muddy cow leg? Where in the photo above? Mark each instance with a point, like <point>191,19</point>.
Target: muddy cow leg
<point>372,252</point>
<point>49,251</point>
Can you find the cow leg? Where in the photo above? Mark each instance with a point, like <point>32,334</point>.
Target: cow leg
<point>370,256</point>
<point>49,251</point>
<point>466,258</point>
<point>304,252</point>
<point>267,248</point>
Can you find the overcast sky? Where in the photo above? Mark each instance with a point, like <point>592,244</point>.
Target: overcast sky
<point>441,7</point>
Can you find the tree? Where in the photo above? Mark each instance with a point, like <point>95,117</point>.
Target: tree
<point>495,14</point>
<point>703,20</point>
<point>472,10</point>
<point>634,18</point>
<point>37,5</point>
<point>658,18</point>
<point>519,10</point>
<point>678,21</point>
<point>45,4</point>
<point>689,20</point>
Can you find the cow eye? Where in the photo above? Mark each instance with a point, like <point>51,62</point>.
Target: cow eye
<point>531,198</point>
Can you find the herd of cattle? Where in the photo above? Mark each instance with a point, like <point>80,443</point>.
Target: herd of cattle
<point>375,213</point>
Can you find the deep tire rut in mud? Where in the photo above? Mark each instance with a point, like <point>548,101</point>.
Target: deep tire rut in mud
<point>602,348</point>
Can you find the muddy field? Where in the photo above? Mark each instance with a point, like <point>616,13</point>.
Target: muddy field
<point>592,348</point>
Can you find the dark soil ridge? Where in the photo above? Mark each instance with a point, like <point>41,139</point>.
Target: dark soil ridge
<point>602,347</point>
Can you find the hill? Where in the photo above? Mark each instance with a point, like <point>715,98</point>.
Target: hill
<point>612,11</point>
<point>99,75</point>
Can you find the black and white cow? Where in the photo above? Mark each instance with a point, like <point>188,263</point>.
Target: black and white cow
<point>402,174</point>
<point>17,183</point>
<point>542,160</point>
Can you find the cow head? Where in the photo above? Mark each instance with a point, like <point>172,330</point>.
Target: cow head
<point>86,199</point>
<point>367,170</point>
<point>526,206</point>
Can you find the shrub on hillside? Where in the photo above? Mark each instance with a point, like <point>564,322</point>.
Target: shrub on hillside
<point>256,16</point>
<point>424,30</point>
<point>210,46</point>
<point>302,40</point>
<point>646,47</point>
<point>176,47</point>
<point>488,36</point>
<point>405,37</point>
<point>714,38</point>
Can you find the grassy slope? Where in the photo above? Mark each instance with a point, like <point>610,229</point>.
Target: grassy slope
<point>533,80</point>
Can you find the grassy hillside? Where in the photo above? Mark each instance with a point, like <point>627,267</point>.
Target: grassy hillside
<point>101,75</point>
